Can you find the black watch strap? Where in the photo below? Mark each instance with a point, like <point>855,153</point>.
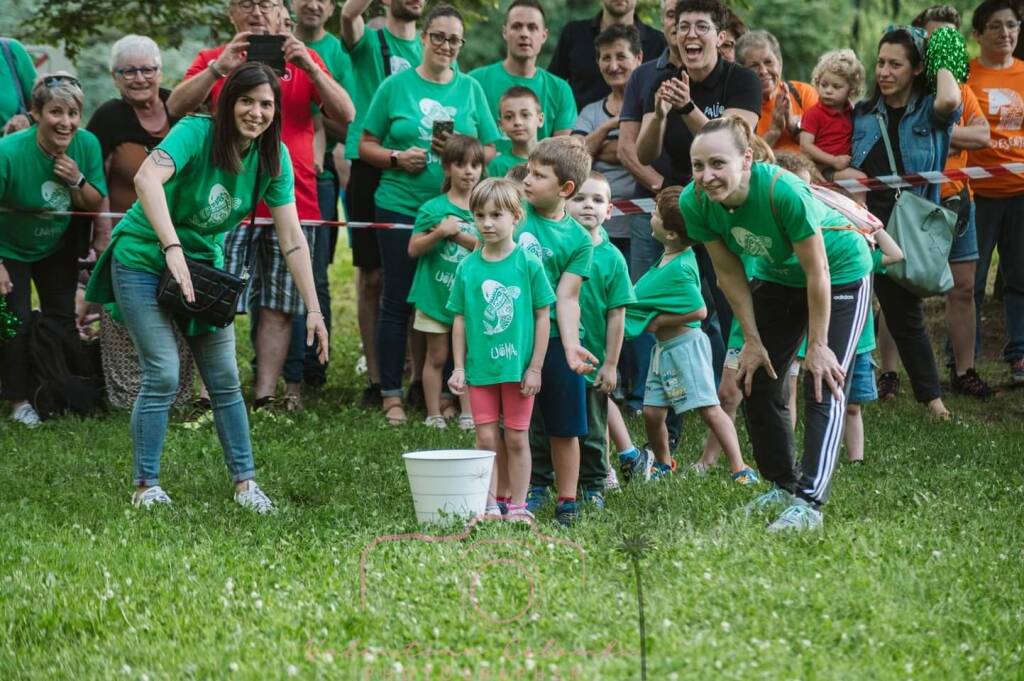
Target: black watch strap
<point>690,106</point>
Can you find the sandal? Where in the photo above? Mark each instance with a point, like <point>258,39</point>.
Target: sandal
<point>395,420</point>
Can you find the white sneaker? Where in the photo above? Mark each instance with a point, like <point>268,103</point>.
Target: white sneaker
<point>466,422</point>
<point>436,421</point>
<point>611,481</point>
<point>150,498</point>
<point>799,517</point>
<point>254,498</point>
<point>26,416</point>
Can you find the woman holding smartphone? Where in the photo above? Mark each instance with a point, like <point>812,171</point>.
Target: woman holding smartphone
<point>409,120</point>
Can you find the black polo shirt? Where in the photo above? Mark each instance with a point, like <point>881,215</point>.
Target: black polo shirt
<point>575,58</point>
<point>641,84</point>
<point>729,86</point>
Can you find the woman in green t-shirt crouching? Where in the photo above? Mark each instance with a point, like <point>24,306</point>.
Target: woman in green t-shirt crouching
<point>198,184</point>
<point>51,166</point>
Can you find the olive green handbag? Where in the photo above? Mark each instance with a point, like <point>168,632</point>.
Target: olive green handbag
<point>924,231</point>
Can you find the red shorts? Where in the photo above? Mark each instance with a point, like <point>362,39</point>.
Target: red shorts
<point>501,399</point>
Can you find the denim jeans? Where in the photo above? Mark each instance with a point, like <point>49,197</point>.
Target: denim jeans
<point>1001,224</point>
<point>150,326</point>
<point>302,360</point>
<point>397,269</point>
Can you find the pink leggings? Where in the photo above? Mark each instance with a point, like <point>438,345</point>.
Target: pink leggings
<point>501,399</point>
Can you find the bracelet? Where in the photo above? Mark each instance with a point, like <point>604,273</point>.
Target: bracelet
<point>212,66</point>
<point>170,246</point>
<point>309,312</point>
<point>536,371</point>
<point>458,369</point>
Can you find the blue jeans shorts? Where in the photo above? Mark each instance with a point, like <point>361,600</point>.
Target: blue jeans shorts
<point>965,245</point>
<point>681,376</point>
<point>862,379</point>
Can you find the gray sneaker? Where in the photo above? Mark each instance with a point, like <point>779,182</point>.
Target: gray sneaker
<point>26,416</point>
<point>774,500</point>
<point>254,498</point>
<point>800,517</point>
<point>150,498</point>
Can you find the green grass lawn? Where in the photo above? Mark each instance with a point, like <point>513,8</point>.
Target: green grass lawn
<point>917,574</point>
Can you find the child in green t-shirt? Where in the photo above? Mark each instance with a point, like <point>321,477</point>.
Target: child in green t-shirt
<point>520,117</point>
<point>500,299</point>
<point>558,167</point>
<point>442,236</point>
<point>669,305</point>
<point>603,300</point>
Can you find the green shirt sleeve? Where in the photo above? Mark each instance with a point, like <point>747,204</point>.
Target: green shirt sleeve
<point>582,257</point>
<point>694,217</point>
<point>487,126</point>
<point>281,189</point>
<point>457,298</point>
<point>620,289</point>
<point>91,163</point>
<point>427,218</point>
<point>798,214</point>
<point>565,114</point>
<point>876,261</point>
<point>376,121</point>
<point>543,294</point>
<point>184,142</point>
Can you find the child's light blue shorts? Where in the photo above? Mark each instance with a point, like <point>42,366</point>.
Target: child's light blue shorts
<point>680,375</point>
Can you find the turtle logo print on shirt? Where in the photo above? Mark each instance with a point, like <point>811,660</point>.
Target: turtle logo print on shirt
<point>399,64</point>
<point>529,243</point>
<point>56,196</point>
<point>432,111</point>
<point>453,252</point>
<point>500,310</point>
<point>1008,105</point>
<point>220,205</point>
<point>753,244</point>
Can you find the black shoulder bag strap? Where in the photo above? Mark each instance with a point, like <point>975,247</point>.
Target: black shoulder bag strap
<point>250,253</point>
<point>9,58</point>
<point>385,51</point>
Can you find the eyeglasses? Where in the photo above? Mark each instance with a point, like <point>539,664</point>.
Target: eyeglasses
<point>146,72</point>
<point>997,26</point>
<point>437,39</point>
<point>700,28</point>
<point>57,79</point>
<point>265,6</point>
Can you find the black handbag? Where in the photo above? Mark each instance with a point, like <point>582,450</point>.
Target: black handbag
<point>216,291</point>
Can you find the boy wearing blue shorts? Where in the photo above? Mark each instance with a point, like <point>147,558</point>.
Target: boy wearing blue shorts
<point>558,167</point>
<point>603,300</point>
<point>669,305</point>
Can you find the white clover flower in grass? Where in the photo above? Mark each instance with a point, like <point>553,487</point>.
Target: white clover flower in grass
<point>292,670</point>
<point>233,667</point>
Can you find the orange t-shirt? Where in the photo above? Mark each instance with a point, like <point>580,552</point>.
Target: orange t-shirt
<point>972,109</point>
<point>808,97</point>
<point>1000,93</point>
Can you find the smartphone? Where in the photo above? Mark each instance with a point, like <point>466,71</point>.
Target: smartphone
<point>267,49</point>
<point>441,127</point>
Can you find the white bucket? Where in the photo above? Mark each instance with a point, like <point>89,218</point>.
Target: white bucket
<point>454,482</point>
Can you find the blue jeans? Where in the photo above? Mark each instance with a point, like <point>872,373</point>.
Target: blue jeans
<point>397,270</point>
<point>302,361</point>
<point>151,328</point>
<point>1001,224</point>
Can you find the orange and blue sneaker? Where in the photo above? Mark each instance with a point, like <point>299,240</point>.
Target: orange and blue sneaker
<point>635,464</point>
<point>745,477</point>
<point>662,470</point>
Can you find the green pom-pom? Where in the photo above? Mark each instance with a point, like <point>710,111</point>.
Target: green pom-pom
<point>8,322</point>
<point>946,50</point>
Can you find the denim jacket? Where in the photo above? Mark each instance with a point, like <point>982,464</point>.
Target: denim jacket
<point>923,137</point>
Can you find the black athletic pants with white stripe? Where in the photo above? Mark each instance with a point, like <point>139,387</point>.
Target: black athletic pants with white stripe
<point>781,313</point>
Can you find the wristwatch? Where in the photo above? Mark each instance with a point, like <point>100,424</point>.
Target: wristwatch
<point>79,183</point>
<point>690,106</point>
<point>393,159</point>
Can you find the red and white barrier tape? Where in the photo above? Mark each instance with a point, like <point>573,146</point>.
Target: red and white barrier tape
<point>646,206</point>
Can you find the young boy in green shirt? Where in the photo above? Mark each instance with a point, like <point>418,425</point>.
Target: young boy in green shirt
<point>603,300</point>
<point>558,167</point>
<point>520,118</point>
<point>669,305</point>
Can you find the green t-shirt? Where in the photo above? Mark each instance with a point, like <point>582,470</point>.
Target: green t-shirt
<point>204,202</point>
<point>22,79</point>
<point>28,185</point>
<point>766,228</point>
<point>435,271</point>
<point>555,95</point>
<point>561,246</point>
<point>497,300</point>
<point>402,116</point>
<point>607,288</point>
<point>500,164</point>
<point>339,64</point>
<point>671,286</point>
<point>368,73</point>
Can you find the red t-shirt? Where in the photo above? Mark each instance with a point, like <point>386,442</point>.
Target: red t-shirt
<point>832,129</point>
<point>298,93</point>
